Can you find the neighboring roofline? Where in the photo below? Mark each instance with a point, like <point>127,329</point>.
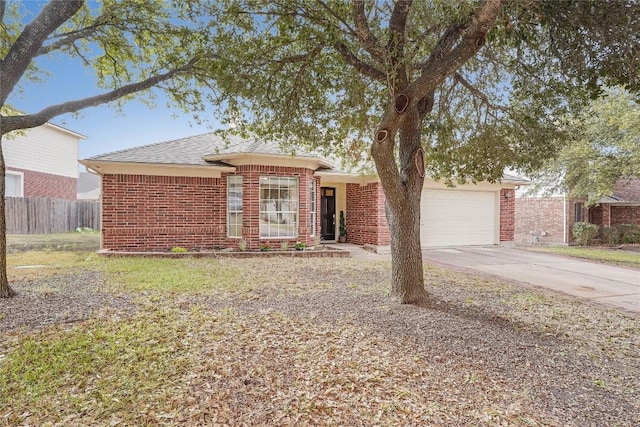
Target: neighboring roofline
<point>63,129</point>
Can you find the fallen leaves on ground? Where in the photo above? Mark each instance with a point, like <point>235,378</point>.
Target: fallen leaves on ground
<point>318,342</point>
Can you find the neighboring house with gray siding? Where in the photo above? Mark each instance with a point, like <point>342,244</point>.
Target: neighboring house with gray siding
<point>42,162</point>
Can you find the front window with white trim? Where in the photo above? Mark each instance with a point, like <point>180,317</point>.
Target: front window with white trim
<point>13,184</point>
<point>312,207</point>
<point>234,206</point>
<point>278,207</point>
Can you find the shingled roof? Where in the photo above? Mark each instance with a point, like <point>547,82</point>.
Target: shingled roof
<point>194,150</point>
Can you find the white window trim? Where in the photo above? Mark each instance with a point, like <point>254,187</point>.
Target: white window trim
<point>313,206</point>
<point>21,175</point>
<point>230,211</point>
<point>297,229</point>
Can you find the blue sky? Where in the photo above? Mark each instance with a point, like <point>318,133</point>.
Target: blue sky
<point>106,129</point>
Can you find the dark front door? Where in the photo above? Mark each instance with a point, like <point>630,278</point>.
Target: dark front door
<point>328,213</point>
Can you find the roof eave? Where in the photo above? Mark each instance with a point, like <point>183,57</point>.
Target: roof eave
<point>102,167</point>
<point>244,158</point>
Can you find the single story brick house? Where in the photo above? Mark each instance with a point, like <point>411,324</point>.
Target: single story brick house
<point>550,219</point>
<point>201,192</point>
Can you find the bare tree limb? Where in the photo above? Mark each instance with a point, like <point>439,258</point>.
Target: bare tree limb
<point>70,38</point>
<point>3,7</point>
<point>472,39</point>
<point>9,123</point>
<point>362,67</point>
<point>396,44</point>
<point>445,44</point>
<point>367,40</point>
<point>13,66</point>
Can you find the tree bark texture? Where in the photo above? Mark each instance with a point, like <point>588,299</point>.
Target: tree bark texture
<point>401,172</point>
<point>5,289</point>
<point>403,187</point>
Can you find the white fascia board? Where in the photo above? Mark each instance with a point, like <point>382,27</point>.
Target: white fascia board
<point>132,168</point>
<point>70,132</point>
<point>239,159</point>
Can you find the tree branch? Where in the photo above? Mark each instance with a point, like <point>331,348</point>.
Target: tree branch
<point>69,38</point>
<point>362,67</point>
<point>477,92</point>
<point>445,44</point>
<point>13,66</point>
<point>3,7</point>
<point>396,43</point>
<point>10,123</point>
<point>367,40</point>
<point>437,70</point>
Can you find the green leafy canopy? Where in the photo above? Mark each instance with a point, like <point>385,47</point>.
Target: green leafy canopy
<point>604,148</point>
<point>306,73</point>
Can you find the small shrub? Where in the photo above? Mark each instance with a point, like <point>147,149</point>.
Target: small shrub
<point>610,235</point>
<point>265,247</point>
<point>300,246</point>
<point>584,232</point>
<point>629,233</point>
<point>284,246</point>
<point>242,245</point>
<point>179,249</point>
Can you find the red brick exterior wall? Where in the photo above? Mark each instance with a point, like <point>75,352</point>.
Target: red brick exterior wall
<point>39,184</point>
<point>545,216</point>
<point>625,215</point>
<point>608,215</point>
<point>507,214</point>
<point>141,212</point>
<point>366,220</point>
<point>595,215</point>
<point>541,215</point>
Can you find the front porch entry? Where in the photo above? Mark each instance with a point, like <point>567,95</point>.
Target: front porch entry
<point>328,213</point>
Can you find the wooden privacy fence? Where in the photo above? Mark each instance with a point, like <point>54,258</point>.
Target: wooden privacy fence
<point>41,215</point>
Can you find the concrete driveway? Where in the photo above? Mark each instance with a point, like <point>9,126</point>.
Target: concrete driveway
<point>614,286</point>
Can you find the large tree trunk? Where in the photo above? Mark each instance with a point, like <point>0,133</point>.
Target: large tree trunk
<point>406,257</point>
<point>5,289</point>
<point>402,181</point>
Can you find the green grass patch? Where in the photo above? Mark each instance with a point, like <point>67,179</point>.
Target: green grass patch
<point>100,370</point>
<point>73,241</point>
<point>43,263</point>
<point>172,275</point>
<point>613,256</point>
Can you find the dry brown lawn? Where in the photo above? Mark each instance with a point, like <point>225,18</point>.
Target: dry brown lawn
<point>305,342</point>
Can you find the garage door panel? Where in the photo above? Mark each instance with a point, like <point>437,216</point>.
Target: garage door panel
<point>456,217</point>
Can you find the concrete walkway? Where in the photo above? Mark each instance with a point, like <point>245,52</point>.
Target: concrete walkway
<point>614,286</point>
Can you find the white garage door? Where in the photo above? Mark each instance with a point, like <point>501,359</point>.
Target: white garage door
<point>455,217</point>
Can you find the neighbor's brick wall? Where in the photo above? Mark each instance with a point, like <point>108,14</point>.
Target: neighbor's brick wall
<point>507,214</point>
<point>595,215</point>
<point>141,212</point>
<point>542,215</point>
<point>366,220</point>
<point>40,184</point>
<point>625,215</point>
